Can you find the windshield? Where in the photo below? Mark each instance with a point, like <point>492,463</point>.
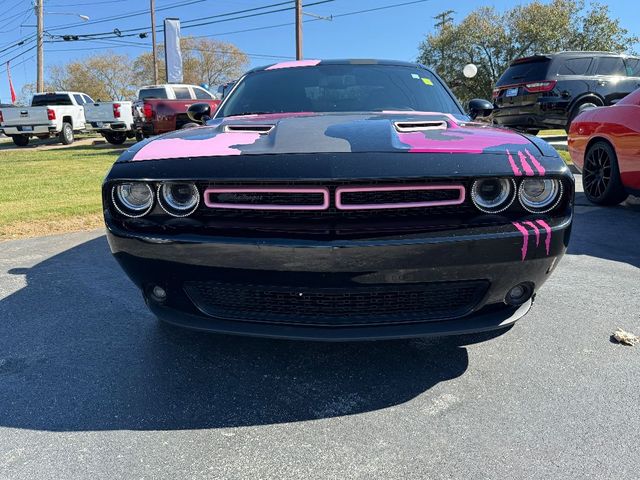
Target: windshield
<point>339,88</point>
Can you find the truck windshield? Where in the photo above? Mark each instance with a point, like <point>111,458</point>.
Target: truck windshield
<point>340,88</point>
<point>51,99</point>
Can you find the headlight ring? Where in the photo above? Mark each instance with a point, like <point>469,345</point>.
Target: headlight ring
<point>178,199</point>
<point>543,195</point>
<point>132,199</point>
<point>489,201</point>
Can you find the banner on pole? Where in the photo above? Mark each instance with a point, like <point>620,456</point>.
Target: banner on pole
<point>172,52</point>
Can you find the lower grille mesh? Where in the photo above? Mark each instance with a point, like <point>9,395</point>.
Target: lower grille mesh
<point>337,307</point>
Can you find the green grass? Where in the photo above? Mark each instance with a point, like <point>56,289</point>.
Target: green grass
<point>51,190</point>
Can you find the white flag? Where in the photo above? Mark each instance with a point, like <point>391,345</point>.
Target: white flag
<point>172,52</point>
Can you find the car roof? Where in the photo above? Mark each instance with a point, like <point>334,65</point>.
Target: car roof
<point>349,61</point>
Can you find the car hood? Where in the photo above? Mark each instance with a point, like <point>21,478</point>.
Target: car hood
<point>294,133</point>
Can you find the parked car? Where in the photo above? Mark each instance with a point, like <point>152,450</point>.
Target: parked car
<point>163,108</point>
<point>113,120</point>
<point>549,91</point>
<point>326,200</point>
<point>50,114</point>
<point>604,143</point>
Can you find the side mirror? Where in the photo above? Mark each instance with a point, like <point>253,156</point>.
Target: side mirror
<point>480,108</point>
<point>199,112</point>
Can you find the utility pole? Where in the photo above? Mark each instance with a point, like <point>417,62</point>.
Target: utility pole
<point>40,45</point>
<point>153,41</point>
<point>445,18</point>
<point>298,29</point>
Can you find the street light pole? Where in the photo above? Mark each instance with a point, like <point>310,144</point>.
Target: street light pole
<point>298,29</point>
<point>40,45</point>
<point>153,41</point>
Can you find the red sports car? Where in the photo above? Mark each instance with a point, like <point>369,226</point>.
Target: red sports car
<point>604,143</point>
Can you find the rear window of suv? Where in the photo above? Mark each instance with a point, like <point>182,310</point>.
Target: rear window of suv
<point>530,70</point>
<point>51,99</point>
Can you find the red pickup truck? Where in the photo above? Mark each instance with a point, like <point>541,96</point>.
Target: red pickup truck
<point>163,108</point>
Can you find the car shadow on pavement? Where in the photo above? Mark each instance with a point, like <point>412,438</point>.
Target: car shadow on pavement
<point>611,233</point>
<point>79,351</point>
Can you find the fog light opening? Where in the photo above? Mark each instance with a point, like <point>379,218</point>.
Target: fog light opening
<point>519,294</point>
<point>158,294</point>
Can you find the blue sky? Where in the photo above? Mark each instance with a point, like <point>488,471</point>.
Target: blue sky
<point>390,33</point>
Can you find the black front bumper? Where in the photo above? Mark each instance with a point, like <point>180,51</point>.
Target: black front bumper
<point>486,254</point>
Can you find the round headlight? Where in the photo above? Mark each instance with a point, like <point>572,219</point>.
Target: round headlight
<point>132,199</point>
<point>493,195</point>
<point>178,199</point>
<point>539,195</point>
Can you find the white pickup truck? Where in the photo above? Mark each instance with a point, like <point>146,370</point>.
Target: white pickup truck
<point>114,120</point>
<point>63,113</point>
<point>50,114</point>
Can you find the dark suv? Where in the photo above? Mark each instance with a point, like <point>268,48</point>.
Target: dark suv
<point>548,91</point>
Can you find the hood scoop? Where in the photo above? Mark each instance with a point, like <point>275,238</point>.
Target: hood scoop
<point>248,128</point>
<point>420,126</point>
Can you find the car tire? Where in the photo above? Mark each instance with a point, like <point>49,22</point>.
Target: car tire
<point>66,134</point>
<point>577,110</point>
<point>20,140</point>
<point>601,175</point>
<point>116,138</point>
<point>139,136</point>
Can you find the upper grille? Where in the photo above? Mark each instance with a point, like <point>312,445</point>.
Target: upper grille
<point>267,198</point>
<point>398,196</point>
<point>337,306</point>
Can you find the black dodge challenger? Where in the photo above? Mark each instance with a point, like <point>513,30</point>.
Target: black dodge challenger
<point>339,200</point>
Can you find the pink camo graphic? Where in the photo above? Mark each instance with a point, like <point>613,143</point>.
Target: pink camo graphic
<point>294,64</point>
<point>463,140</point>
<point>536,230</point>
<point>179,148</point>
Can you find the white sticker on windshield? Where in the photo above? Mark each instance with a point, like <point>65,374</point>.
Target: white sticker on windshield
<point>416,76</point>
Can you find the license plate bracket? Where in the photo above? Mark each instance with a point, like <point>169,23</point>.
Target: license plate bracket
<point>511,92</point>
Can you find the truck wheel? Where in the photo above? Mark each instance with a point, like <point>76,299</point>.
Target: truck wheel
<point>115,138</point>
<point>66,134</point>
<point>20,140</point>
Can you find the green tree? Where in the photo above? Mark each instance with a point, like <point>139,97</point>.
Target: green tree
<point>105,76</point>
<point>492,39</point>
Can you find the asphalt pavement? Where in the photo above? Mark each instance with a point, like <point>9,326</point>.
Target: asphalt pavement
<point>92,386</point>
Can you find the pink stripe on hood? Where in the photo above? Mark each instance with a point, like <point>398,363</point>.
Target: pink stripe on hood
<point>525,239</point>
<point>525,166</point>
<point>535,162</point>
<point>547,229</point>
<point>514,167</point>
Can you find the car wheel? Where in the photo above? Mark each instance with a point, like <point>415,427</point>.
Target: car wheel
<point>601,175</point>
<point>115,138</point>
<point>139,136</point>
<point>66,134</point>
<point>577,110</point>
<point>20,140</point>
